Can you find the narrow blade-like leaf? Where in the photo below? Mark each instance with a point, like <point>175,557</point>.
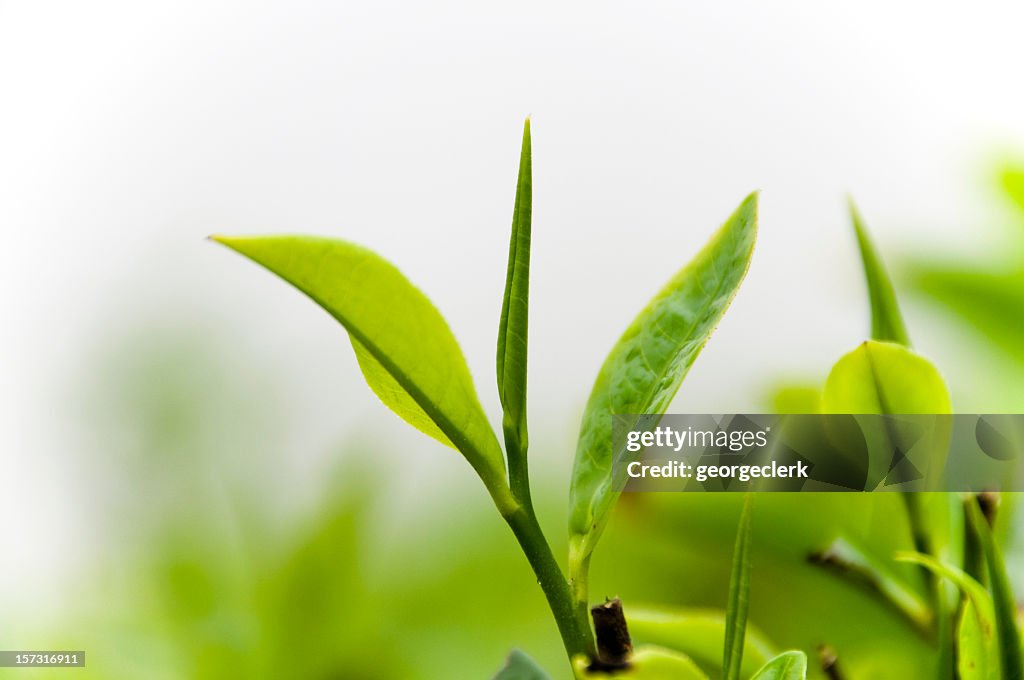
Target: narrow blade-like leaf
<point>644,370</point>
<point>786,666</point>
<point>405,349</point>
<point>739,597</point>
<point>512,331</point>
<point>521,667</point>
<point>886,320</point>
<point>1003,602</point>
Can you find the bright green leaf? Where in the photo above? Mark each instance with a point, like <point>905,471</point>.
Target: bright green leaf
<point>882,377</point>
<point>512,331</point>
<point>786,666</point>
<point>976,651</point>
<point>739,597</point>
<point>700,634</point>
<point>407,353</point>
<point>1012,179</point>
<point>886,320</point>
<point>651,663</point>
<point>1003,602</point>
<point>521,667</point>
<point>644,370</point>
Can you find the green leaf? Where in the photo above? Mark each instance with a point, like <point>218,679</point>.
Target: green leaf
<point>1003,602</point>
<point>739,597</point>
<point>989,301</point>
<point>976,653</point>
<point>650,663</point>
<point>977,656</point>
<point>1012,179</point>
<point>521,667</point>
<point>653,663</point>
<point>881,377</point>
<point>786,666</point>
<point>886,320</point>
<point>644,370</point>
<point>512,331</point>
<point>700,634</point>
<point>405,349</point>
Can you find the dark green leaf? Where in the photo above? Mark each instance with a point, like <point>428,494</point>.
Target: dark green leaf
<point>512,331</point>
<point>407,353</point>
<point>521,667</point>
<point>644,370</point>
<point>786,666</point>
<point>886,321</point>
<point>739,597</point>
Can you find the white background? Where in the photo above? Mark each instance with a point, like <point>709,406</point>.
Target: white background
<point>129,131</point>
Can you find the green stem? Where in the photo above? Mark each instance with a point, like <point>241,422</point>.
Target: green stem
<point>518,465</point>
<point>924,544</point>
<point>580,587</point>
<point>552,581</point>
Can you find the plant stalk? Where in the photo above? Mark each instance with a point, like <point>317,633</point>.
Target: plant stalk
<point>924,544</point>
<point>524,525</point>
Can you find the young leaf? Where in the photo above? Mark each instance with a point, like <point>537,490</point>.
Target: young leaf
<point>786,666</point>
<point>405,349</point>
<point>886,321</point>
<point>647,365</point>
<point>1003,602</point>
<point>521,667</point>
<point>512,331</point>
<point>739,597</point>
<point>881,377</point>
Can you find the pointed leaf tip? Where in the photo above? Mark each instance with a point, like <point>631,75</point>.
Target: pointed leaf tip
<point>886,319</point>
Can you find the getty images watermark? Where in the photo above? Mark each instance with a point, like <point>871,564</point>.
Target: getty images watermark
<point>764,452</point>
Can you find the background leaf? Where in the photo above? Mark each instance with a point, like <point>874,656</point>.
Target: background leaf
<point>976,659</point>
<point>407,353</point>
<point>700,634</point>
<point>786,666</point>
<point>521,667</point>
<point>886,320</point>
<point>644,370</point>
<point>739,597</point>
<point>1003,603</point>
<point>652,663</point>
<point>885,378</point>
